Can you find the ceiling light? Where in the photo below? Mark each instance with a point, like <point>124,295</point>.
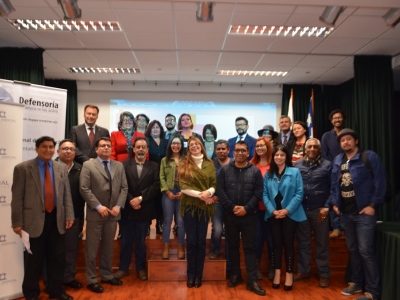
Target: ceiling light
<point>331,14</point>
<point>204,11</point>
<point>251,73</point>
<point>70,9</point>
<point>6,7</point>
<point>392,17</point>
<point>67,25</point>
<point>288,31</point>
<point>104,70</point>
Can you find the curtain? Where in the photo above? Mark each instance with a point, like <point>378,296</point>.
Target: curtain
<point>23,64</point>
<point>71,119</point>
<point>371,113</point>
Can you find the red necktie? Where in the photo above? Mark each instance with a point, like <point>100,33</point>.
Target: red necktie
<point>91,136</point>
<point>48,190</point>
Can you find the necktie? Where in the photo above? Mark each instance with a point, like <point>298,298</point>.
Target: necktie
<point>285,139</point>
<point>91,136</point>
<point>48,190</point>
<point>105,163</point>
<point>240,138</point>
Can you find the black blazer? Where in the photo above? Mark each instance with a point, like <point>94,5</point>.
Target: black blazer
<point>84,151</point>
<point>147,186</point>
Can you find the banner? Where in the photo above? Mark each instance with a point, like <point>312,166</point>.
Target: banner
<point>11,248</point>
<point>27,112</point>
<point>44,112</point>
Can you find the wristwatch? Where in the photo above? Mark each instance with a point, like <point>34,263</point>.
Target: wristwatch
<point>326,209</point>
<point>140,198</point>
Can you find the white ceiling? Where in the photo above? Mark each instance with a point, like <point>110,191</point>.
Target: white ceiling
<point>165,41</point>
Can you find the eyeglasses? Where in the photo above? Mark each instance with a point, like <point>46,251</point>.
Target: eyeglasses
<point>241,125</point>
<point>261,146</point>
<point>170,121</point>
<point>105,146</point>
<point>240,150</point>
<point>65,149</point>
<point>141,119</point>
<point>312,146</point>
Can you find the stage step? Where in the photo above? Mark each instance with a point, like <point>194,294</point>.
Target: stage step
<point>174,269</point>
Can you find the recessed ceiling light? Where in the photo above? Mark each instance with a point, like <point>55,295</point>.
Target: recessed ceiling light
<point>104,70</point>
<point>285,31</point>
<point>250,73</point>
<point>65,25</point>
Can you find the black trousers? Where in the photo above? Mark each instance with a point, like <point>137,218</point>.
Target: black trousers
<point>246,228</point>
<point>50,245</point>
<point>283,232</point>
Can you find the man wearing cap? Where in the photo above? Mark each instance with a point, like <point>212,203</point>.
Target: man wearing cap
<point>356,191</point>
<point>331,148</point>
<point>316,174</point>
<point>242,125</point>
<point>268,132</point>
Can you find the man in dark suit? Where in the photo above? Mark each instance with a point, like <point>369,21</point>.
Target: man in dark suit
<point>85,135</point>
<point>242,125</point>
<point>285,135</point>
<point>66,155</point>
<point>42,206</point>
<point>104,189</point>
<point>143,190</point>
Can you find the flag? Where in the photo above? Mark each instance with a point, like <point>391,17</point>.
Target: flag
<point>310,116</point>
<point>290,108</point>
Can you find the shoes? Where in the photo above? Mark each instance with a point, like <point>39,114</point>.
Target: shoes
<point>95,287</point>
<point>255,288</point>
<point>366,296</point>
<point>287,287</point>
<point>181,252</point>
<point>335,234</point>
<point>276,286</point>
<point>351,289</point>
<point>301,276</point>
<point>121,274</point>
<point>197,282</point>
<point>324,282</point>
<point>190,283</point>
<point>235,280</point>
<point>63,296</point>
<point>165,251</point>
<point>213,255</point>
<point>142,275</point>
<point>114,281</point>
<point>74,284</point>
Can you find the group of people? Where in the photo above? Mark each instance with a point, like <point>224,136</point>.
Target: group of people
<point>272,189</point>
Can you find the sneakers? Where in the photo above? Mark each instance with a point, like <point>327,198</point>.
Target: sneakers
<point>121,274</point>
<point>352,289</point>
<point>324,282</point>
<point>213,255</point>
<point>335,234</point>
<point>366,296</point>
<point>301,276</point>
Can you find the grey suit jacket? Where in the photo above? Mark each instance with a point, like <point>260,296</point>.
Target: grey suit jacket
<point>84,151</point>
<point>27,205</point>
<point>95,188</point>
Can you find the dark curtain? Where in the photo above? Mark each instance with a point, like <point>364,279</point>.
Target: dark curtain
<point>71,118</point>
<point>371,114</point>
<point>23,64</point>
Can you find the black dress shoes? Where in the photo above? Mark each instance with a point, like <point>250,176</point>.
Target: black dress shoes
<point>74,284</point>
<point>255,288</point>
<point>190,283</point>
<point>276,286</point>
<point>95,287</point>
<point>197,283</point>
<point>63,296</point>
<point>287,287</point>
<point>235,280</point>
<point>114,281</point>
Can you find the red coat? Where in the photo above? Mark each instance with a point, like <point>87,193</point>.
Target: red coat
<point>118,144</point>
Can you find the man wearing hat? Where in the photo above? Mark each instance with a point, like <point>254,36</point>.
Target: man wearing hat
<point>268,132</point>
<point>356,190</point>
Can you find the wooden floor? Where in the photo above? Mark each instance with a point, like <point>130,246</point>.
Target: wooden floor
<point>133,288</point>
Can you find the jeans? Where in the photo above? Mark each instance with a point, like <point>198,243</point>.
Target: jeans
<point>196,232</point>
<point>133,231</point>
<point>217,221</point>
<point>359,231</point>
<point>171,209</point>
<point>244,227</point>
<point>263,233</point>
<point>321,241</point>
